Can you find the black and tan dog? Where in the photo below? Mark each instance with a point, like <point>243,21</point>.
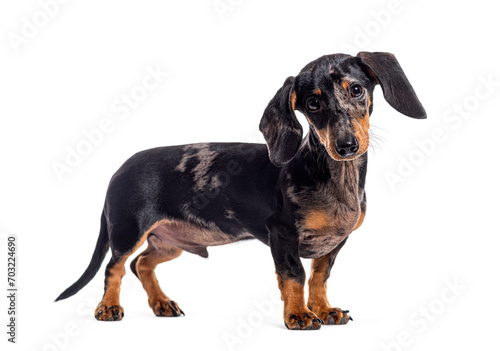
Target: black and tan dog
<point>301,196</point>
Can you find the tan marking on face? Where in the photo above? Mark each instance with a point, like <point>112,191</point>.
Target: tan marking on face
<point>333,154</point>
<point>316,220</point>
<point>361,127</point>
<point>323,135</point>
<point>329,145</point>
<point>317,92</point>
<point>368,101</point>
<point>293,99</point>
<point>324,138</point>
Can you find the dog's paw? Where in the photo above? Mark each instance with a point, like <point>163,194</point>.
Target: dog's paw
<point>109,313</point>
<point>302,320</point>
<point>333,316</point>
<point>166,308</point>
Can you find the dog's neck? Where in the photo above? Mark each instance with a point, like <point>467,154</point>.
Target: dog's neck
<point>320,164</point>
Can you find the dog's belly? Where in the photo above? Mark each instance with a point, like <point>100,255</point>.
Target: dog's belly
<point>191,237</point>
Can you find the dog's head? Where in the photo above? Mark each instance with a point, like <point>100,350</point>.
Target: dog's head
<point>335,93</point>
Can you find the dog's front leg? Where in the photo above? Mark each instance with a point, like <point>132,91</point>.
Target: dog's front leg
<point>318,301</point>
<point>291,276</point>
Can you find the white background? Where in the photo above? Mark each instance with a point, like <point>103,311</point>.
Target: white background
<point>435,228</point>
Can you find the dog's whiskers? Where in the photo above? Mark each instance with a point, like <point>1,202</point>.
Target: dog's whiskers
<point>376,140</point>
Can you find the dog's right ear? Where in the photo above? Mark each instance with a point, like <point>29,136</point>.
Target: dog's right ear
<point>281,129</point>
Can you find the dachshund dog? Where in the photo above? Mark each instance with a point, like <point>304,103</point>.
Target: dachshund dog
<point>301,196</point>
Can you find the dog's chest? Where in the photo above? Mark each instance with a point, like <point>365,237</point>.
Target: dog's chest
<point>322,229</point>
<point>326,216</point>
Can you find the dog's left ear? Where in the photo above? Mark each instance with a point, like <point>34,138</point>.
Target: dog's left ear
<point>281,129</point>
<point>398,91</point>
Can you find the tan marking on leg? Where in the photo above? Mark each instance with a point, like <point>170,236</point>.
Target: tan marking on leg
<point>292,294</point>
<point>318,300</point>
<point>110,303</point>
<point>317,284</point>
<point>109,308</point>
<point>295,309</point>
<point>112,294</point>
<point>147,261</point>
<point>116,274</point>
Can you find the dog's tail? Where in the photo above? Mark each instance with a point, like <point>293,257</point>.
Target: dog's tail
<point>101,248</point>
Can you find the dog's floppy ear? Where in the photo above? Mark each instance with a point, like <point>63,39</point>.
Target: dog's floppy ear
<point>281,129</point>
<point>398,91</point>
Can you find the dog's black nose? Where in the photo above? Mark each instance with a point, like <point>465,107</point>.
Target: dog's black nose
<point>347,146</point>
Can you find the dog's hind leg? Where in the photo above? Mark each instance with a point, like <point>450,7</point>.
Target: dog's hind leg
<point>143,267</point>
<point>124,241</point>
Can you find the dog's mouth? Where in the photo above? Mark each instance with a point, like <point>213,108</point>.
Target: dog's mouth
<point>332,152</point>
<point>328,143</point>
<point>360,135</point>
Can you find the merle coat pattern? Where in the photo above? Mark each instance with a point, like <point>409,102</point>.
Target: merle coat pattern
<point>302,196</point>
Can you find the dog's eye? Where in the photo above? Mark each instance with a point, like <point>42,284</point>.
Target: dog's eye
<point>312,104</point>
<point>356,90</point>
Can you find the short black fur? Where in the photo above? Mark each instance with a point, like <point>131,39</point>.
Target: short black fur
<point>298,195</point>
